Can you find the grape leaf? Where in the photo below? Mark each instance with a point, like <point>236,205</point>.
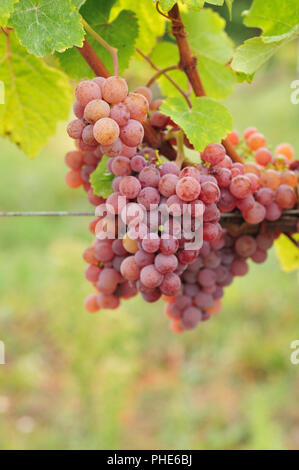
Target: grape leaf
<point>254,53</point>
<point>78,3</point>
<point>151,25</point>
<point>166,5</point>
<point>120,33</point>
<point>274,17</point>
<point>208,121</point>
<point>164,55</point>
<point>229,4</point>
<point>44,26</point>
<point>195,5</point>
<point>36,97</point>
<point>218,79</point>
<point>6,8</point>
<point>101,179</point>
<point>218,3</point>
<point>207,36</point>
<point>287,253</point>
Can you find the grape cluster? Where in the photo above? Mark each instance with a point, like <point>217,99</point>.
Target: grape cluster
<point>149,231</point>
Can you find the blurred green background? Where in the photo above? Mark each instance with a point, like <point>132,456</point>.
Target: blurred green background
<point>121,380</point>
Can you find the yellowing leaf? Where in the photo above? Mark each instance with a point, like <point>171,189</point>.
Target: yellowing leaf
<point>287,253</point>
<point>151,24</point>
<point>36,97</point>
<point>6,8</point>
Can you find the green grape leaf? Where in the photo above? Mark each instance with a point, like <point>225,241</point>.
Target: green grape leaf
<point>78,3</point>
<point>36,97</point>
<point>151,25</point>
<point>101,179</point>
<point>164,55</point>
<point>120,33</point>
<point>287,253</point>
<point>218,3</point>
<point>207,36</point>
<point>195,5</point>
<point>218,79</point>
<point>166,5</point>
<point>6,8</point>
<point>274,17</point>
<point>44,26</point>
<point>254,53</point>
<point>208,121</point>
<point>229,4</point>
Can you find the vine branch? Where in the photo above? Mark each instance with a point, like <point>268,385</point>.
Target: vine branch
<point>232,221</point>
<point>166,75</point>
<point>112,50</point>
<point>188,63</point>
<point>161,72</point>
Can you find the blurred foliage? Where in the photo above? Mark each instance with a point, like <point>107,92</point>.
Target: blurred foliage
<point>121,380</point>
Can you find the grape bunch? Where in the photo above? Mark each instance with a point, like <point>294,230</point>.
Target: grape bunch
<point>158,233</point>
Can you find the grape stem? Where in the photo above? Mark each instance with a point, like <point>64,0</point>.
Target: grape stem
<point>161,72</point>
<point>92,59</point>
<point>188,64</point>
<point>185,95</point>
<point>112,50</point>
<point>180,158</point>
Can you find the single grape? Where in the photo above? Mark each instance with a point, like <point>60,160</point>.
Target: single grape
<point>146,92</point>
<point>92,273</point>
<point>108,280</point>
<point>285,197</point>
<point>149,176</point>
<point>132,134</point>
<point>91,304</point>
<point>264,241</point>
<point>203,300</point>
<point>137,105</point>
<point>191,317</point>
<point>87,135</point>
<point>159,120</point>
<point>95,110</point>
<point>249,131</point>
<point>206,277</point>
<point>188,188</point>
<point>259,256</point>
<point>273,212</point>
<point>169,167</point>
<point>73,179</point>
<point>151,243</point>
<point>128,152</point>
<point>265,196</point>
<point>130,245</point>
<point>114,90</point>
<point>148,197</point>
<point>171,284</point>
<point>86,91</point>
<point>120,166</point>
<point>256,214</point>
<point>271,179</point>
<point>213,154</point>
<point>263,156</point>
<point>130,269</point>
<point>106,131</point>
<point>112,150</point>
<point>285,149</point>
<point>75,128</point>
<point>290,178</point>
<point>108,301</point>
<point>74,159</point>
<point>227,201</point>
<point>78,110</point>
<point>103,251</point>
<point>150,276</point>
<point>233,137</point>
<point>240,186</point>
<point>130,187</point>
<point>138,163</point>
<point>209,193</point>
<point>166,263</point>
<point>167,185</point>
<point>256,141</point>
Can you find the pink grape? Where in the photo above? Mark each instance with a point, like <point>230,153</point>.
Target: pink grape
<point>130,187</point>
<point>86,91</point>
<point>95,110</point>
<point>130,269</point>
<point>137,105</point>
<point>132,133</point>
<point>120,114</point>
<point>240,186</point>
<point>75,128</point>
<point>213,154</point>
<point>114,90</point>
<point>106,131</point>
<point>188,188</point>
<point>256,214</point>
<point>150,276</point>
